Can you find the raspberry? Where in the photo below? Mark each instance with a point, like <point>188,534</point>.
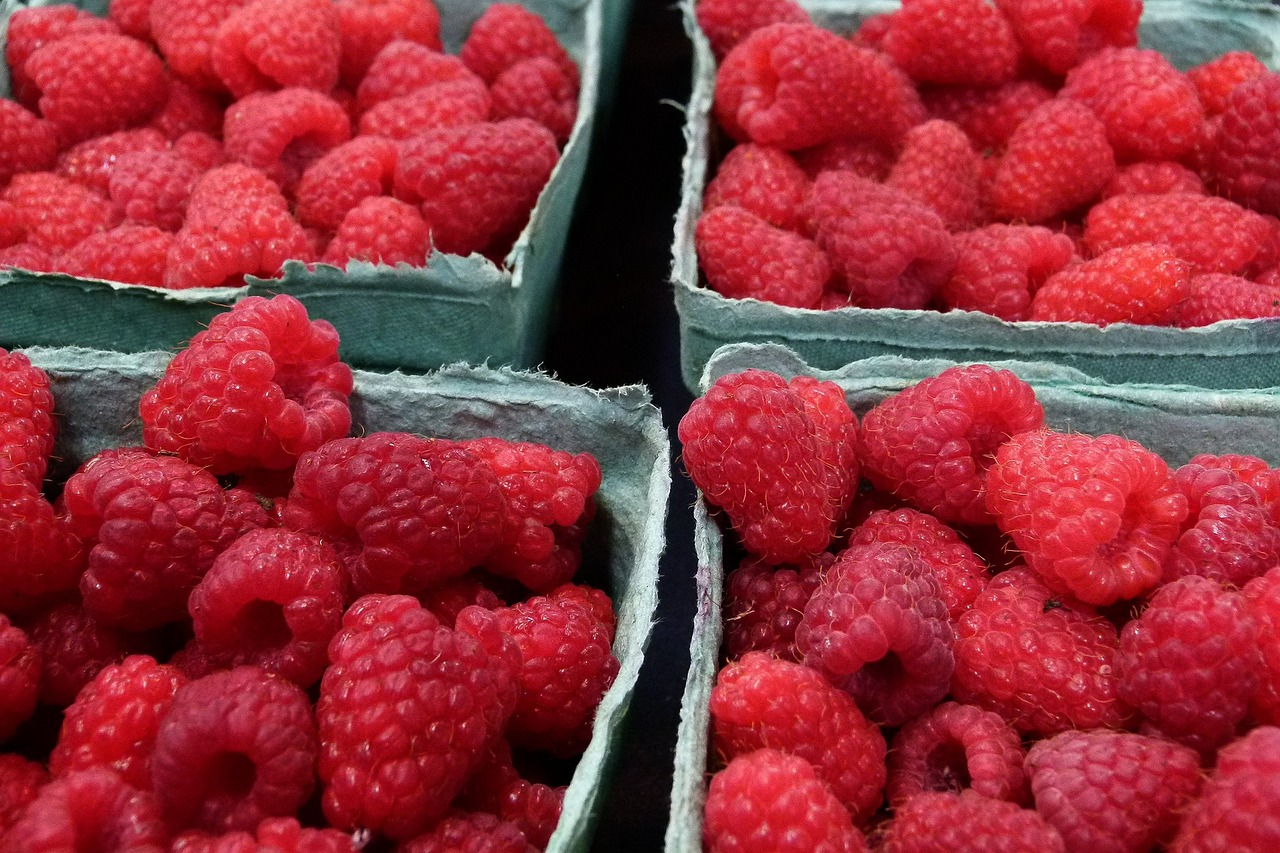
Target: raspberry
<point>1262,603</point>
<point>1105,790</point>
<point>132,254</point>
<point>366,27</point>
<point>877,628</point>
<point>20,666</point>
<point>133,17</point>
<point>470,832</point>
<point>283,132</point>
<point>1228,535</point>
<point>343,177</point>
<point>872,30</point>
<point>762,703</point>
<point>74,647</point>
<point>1000,267</point>
<point>1057,159</point>
<point>1140,283</point>
<point>763,605</point>
<point>455,103</point>
<point>727,22</point>
<point>1215,79</point>
<point>892,251</point>
<point>768,800</point>
<point>960,42</point>
<point>967,822</point>
<point>506,33</point>
<point>765,181</point>
<point>90,810</point>
<point>1264,479</point>
<point>1242,160</point>
<point>31,27</point>
<point>953,748</point>
<point>188,110</point>
<point>868,158</point>
<point>754,450</point>
<point>27,256</point>
<point>1154,177</point>
<point>406,710</point>
<point>20,781</point>
<point>27,427</point>
<point>92,162</point>
<point>1059,35</point>
<point>1189,663</point>
<point>989,115</point>
<point>537,89</point>
<point>837,431</point>
<point>404,513</point>
<point>381,230</point>
<point>27,142</point>
<point>184,32</point>
<point>476,185</point>
<point>273,835</point>
<point>201,148</point>
<point>1235,809</point>
<point>497,788</point>
<point>153,188</point>
<point>40,556</point>
<point>938,166</point>
<point>235,747</point>
<point>744,257</point>
<point>276,44</point>
<point>448,599</point>
<point>57,213</point>
<point>403,67</point>
<point>12,231</point>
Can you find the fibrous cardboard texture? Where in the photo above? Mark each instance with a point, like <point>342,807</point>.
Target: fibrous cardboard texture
<point>1176,421</point>
<point>454,309</point>
<point>97,396</point>
<point>1230,354</point>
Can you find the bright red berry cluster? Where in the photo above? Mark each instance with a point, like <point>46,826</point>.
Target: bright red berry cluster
<point>184,144</point>
<point>1059,670</point>
<point>255,620</point>
<point>1021,158</point>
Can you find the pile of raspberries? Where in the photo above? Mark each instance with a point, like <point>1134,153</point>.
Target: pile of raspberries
<point>188,143</point>
<point>1021,158</point>
<point>258,633</point>
<point>951,628</point>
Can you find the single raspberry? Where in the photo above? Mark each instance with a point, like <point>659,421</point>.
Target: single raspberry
<point>765,181</point>
<point>201,148</point>
<point>989,115</point>
<point>1104,790</point>
<point>837,432</point>
<point>19,677</point>
<point>892,250</point>
<point>40,555</point>
<point>763,605</point>
<point>366,27</point>
<point>404,513</point>
<point>92,162</point>
<point>27,427</point>
<point>506,33</point>
<point>877,628</point>
<point>868,158</point>
<point>406,710</point>
<point>1057,159</point>
<point>470,832</point>
<point>403,67</point>
<point>27,142</point>
<point>343,177</point>
<point>497,788</point>
<point>762,703</point>
<point>1060,35</point>
<point>448,599</point>
<point>1242,162</point>
<point>1262,603</point>
<point>960,42</point>
<point>953,748</point>
<point>872,30</point>
<point>1189,663</point>
<point>20,782</point>
<point>133,17</point>
<point>283,132</point>
<point>27,256</point>
<point>1228,534</point>
<point>381,230</point>
<point>1235,809</point>
<point>727,22</point>
<point>12,231</point>
<point>57,213</point>
<point>938,166</point>
<point>184,32</point>
<point>235,747</point>
<point>1215,79</point>
<point>1000,267</point>
<point>1140,283</point>
<point>538,89</point>
<point>967,822</point>
<point>90,810</point>
<point>476,185</point>
<point>1264,479</point>
<point>189,110</point>
<point>768,800</point>
<point>1154,177</point>
<point>272,835</point>
<point>744,257</point>
<point>74,647</point>
<point>31,27</point>
<point>455,103</point>
<point>276,44</point>
<point>132,254</point>
<point>153,188</point>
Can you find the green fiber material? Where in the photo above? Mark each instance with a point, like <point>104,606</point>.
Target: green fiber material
<point>454,310</point>
<point>97,396</point>
<point>1230,354</point>
<point>1177,421</point>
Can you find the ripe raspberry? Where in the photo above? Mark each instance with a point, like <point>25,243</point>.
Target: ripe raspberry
<point>768,800</point>
<point>92,162</point>
<point>133,17</point>
<point>938,166</point>
<point>872,30</point>
<point>506,33</point>
<point>27,427</point>
<point>763,605</point>
<point>495,787</point>
<point>20,666</point>
<point>989,115</point>
<point>273,835</point>
<point>1228,534</point>
<point>455,103</point>
<point>537,89</point>
<point>967,822</point>
<point>74,647</point>
<point>1057,159</point>
<point>744,257</point>
<point>381,230</point>
<point>837,432</point>
<point>57,213</point>
<point>470,832</point>
<point>868,158</point>
<point>1215,79</point>
<point>404,513</point>
<point>27,256</point>
<point>1141,283</point>
<point>1060,35</point>
<point>153,188</point>
<point>448,599</point>
<point>403,67</point>
<point>201,148</point>
<point>184,32</point>
<point>283,132</point>
<point>933,443</point>
<point>132,254</point>
<point>40,556</point>
<point>188,110</point>
<point>762,703</point>
<point>877,628</point>
<point>31,27</point>
<point>343,177</point>
<point>765,181</point>
<point>366,27</point>
<point>892,250</point>
<point>1262,603</point>
<point>1242,161</point>
<point>960,42</point>
<point>91,810</point>
<point>406,710</point>
<point>20,781</point>
<point>727,22</point>
<point>27,142</point>
<point>1264,479</point>
<point>12,231</point>
<point>1112,791</point>
<point>1190,662</point>
<point>275,44</point>
<point>1000,267</point>
<point>953,748</point>
<point>1236,807</point>
<point>1154,177</point>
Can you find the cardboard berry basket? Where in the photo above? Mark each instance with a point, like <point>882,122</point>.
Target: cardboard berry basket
<point>1229,354</point>
<point>97,396</point>
<point>453,309</point>
<point>1176,421</point>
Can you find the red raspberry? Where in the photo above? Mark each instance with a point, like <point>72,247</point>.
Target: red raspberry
<point>381,230</point>
<point>273,835</point>
<point>1057,159</point>
<point>961,42</point>
<point>273,599</point>
<point>1236,807</point>
<point>1105,790</point>
<point>57,213</point>
<point>184,32</point>
<point>31,27</point>
<point>506,33</point>
<point>877,628</point>
<point>892,251</point>
<point>188,110</point>
<point>967,822</point>
<point>201,148</point>
<point>20,782</point>
<point>283,132</point>
<point>1141,283</point>
<point>762,703</point>
<point>1228,534</point>
<point>403,67</point>
<point>537,89</point>
<point>406,710</point>
<point>1000,267</point>
<point>133,17</point>
<point>448,599</point>
<point>74,647</point>
<point>933,443</point>
<point>989,115</point>
<point>1215,79</point>
<point>20,666</point>
<point>868,158</point>
<point>1189,663</point>
<point>1059,35</point>
<point>497,788</point>
<point>40,556</point>
<point>938,166</point>
<point>470,832</point>
<point>27,256</point>
<point>727,22</point>
<point>1242,161</point>
<point>366,27</point>
<point>765,181</point>
<point>872,30</point>
<point>27,427</point>
<point>91,810</point>
<point>153,188</point>
<point>455,103</point>
<point>752,447</point>
<point>1154,177</point>
<point>768,800</point>
<point>92,162</point>
<point>132,254</point>
<point>1264,479</point>
<point>763,605</point>
<point>343,177</point>
<point>260,387</point>
<point>1262,603</point>
<point>12,231</point>
<point>953,748</point>
<point>744,257</point>
<point>837,431</point>
<point>27,142</point>
<point>476,185</point>
<point>404,513</point>
<point>275,44</point>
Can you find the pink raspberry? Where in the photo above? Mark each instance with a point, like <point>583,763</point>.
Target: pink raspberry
<point>343,177</point>
<point>1154,177</point>
<point>1216,297</point>
<point>953,748</point>
<point>19,677</point>
<point>454,103</point>
<point>763,605</point>
<point>538,89</point>
<point>967,823</point>
<point>989,115</point>
<point>20,782</point>
<point>381,230</point>
<point>74,647</point>
<point>1262,603</point>
<point>958,42</point>
<point>1059,35</point>
<point>153,188</point>
<point>275,44</point>
<point>1228,534</point>
<point>57,213</point>
<point>184,32</point>
<point>366,27</point>
<point>27,426</point>
<point>283,132</point>
<point>470,832</point>
<point>497,788</point>
<point>507,33</point>
<point>727,22</point>
<point>765,181</point>
<point>1243,162</point>
<point>27,142</point>
<point>938,166</point>
<point>92,162</point>
<point>403,67</point>
<point>744,257</point>
<point>27,256</point>
<point>92,809</point>
<point>1140,283</point>
<point>132,254</point>
<point>1234,811</point>
<point>1215,79</point>
<point>40,555</point>
<point>1000,267</point>
<point>32,27</point>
